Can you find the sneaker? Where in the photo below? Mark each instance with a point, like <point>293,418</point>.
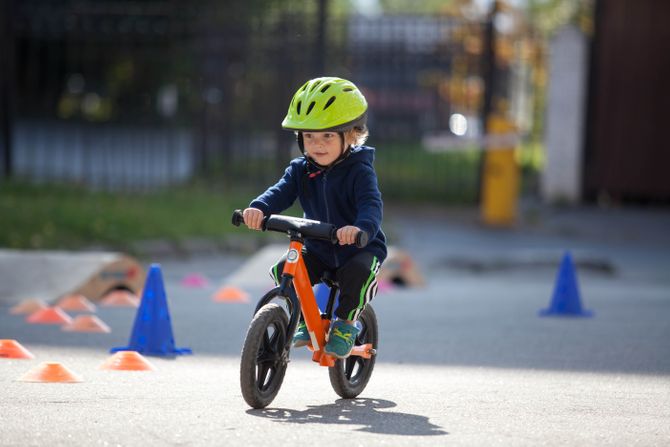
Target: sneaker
<point>341,339</point>
<point>301,336</point>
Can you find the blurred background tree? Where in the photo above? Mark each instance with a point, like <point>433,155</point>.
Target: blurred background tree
<point>149,96</point>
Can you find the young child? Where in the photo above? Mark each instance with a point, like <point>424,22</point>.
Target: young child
<point>335,182</point>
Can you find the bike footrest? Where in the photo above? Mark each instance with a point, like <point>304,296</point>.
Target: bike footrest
<point>366,351</point>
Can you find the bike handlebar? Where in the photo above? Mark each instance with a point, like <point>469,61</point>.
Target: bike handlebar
<point>310,229</point>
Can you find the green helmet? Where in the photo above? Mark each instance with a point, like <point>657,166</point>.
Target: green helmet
<point>322,104</point>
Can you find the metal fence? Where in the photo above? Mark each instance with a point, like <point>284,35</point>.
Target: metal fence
<point>136,95</point>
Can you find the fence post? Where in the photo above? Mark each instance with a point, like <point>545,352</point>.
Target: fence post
<point>489,73</point>
<point>500,181</point>
<point>7,86</point>
<point>320,41</point>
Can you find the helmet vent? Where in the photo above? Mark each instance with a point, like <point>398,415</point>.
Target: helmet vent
<point>330,101</point>
<point>311,106</point>
<point>325,87</point>
<point>297,108</point>
<point>347,89</point>
<point>316,84</point>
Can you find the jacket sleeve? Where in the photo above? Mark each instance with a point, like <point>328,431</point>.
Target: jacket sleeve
<point>280,196</point>
<point>368,201</point>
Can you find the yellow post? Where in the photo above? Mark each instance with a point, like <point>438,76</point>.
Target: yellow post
<point>500,179</point>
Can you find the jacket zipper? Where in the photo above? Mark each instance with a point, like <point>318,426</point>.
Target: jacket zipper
<point>325,200</point>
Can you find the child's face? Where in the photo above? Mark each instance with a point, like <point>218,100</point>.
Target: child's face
<point>323,147</point>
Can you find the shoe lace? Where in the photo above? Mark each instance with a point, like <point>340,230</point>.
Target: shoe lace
<point>347,336</point>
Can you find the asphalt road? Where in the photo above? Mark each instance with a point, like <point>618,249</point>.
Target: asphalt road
<point>465,360</point>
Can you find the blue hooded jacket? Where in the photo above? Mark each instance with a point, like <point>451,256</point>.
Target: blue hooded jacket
<point>342,194</point>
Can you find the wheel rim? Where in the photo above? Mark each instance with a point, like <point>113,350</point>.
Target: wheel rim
<point>354,366</point>
<point>270,358</point>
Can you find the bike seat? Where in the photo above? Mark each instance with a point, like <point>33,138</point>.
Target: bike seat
<point>328,278</point>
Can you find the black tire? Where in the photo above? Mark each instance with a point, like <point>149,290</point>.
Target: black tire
<point>350,376</point>
<point>264,357</point>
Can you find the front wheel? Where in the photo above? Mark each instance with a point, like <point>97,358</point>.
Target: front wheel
<point>264,357</point>
<point>350,376</point>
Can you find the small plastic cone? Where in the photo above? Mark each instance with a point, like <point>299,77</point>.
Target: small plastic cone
<point>50,372</point>
<point>76,303</point>
<point>28,306</point>
<point>50,315</point>
<point>194,280</point>
<point>384,285</point>
<point>12,349</point>
<point>231,294</point>
<point>127,361</point>
<point>87,323</point>
<point>565,300</point>
<point>152,330</point>
<point>120,298</point>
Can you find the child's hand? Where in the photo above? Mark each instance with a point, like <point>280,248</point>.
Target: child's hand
<point>253,218</point>
<point>347,235</point>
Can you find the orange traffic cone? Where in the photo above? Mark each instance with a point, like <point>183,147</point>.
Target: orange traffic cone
<point>76,303</point>
<point>231,295</point>
<point>127,361</point>
<point>50,372</point>
<point>120,298</point>
<point>12,349</point>
<point>50,315</point>
<point>28,306</point>
<point>87,323</point>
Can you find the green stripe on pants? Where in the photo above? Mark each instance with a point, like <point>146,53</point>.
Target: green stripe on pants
<point>361,301</point>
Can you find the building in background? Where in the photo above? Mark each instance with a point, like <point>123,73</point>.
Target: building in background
<point>608,108</point>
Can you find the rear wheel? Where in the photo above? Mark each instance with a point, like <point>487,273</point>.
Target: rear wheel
<point>350,376</point>
<point>264,357</point>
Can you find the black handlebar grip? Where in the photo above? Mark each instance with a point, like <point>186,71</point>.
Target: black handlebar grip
<point>238,218</point>
<point>361,239</point>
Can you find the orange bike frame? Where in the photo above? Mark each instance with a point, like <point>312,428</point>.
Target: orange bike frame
<point>316,326</point>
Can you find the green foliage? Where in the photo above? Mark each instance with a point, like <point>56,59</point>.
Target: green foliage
<point>66,217</point>
<point>70,217</point>
<point>409,173</point>
<point>414,7</point>
<point>549,15</point>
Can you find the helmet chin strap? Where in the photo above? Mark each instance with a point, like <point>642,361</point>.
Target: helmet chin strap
<point>343,154</point>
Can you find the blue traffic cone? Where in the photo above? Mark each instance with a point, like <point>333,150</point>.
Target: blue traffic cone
<point>152,330</point>
<point>565,300</point>
<point>322,293</point>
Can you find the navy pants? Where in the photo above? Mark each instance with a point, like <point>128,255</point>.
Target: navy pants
<point>357,279</point>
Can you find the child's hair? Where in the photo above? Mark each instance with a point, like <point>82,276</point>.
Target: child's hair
<point>356,136</point>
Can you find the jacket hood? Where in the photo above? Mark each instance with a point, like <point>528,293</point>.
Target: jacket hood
<point>359,154</point>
